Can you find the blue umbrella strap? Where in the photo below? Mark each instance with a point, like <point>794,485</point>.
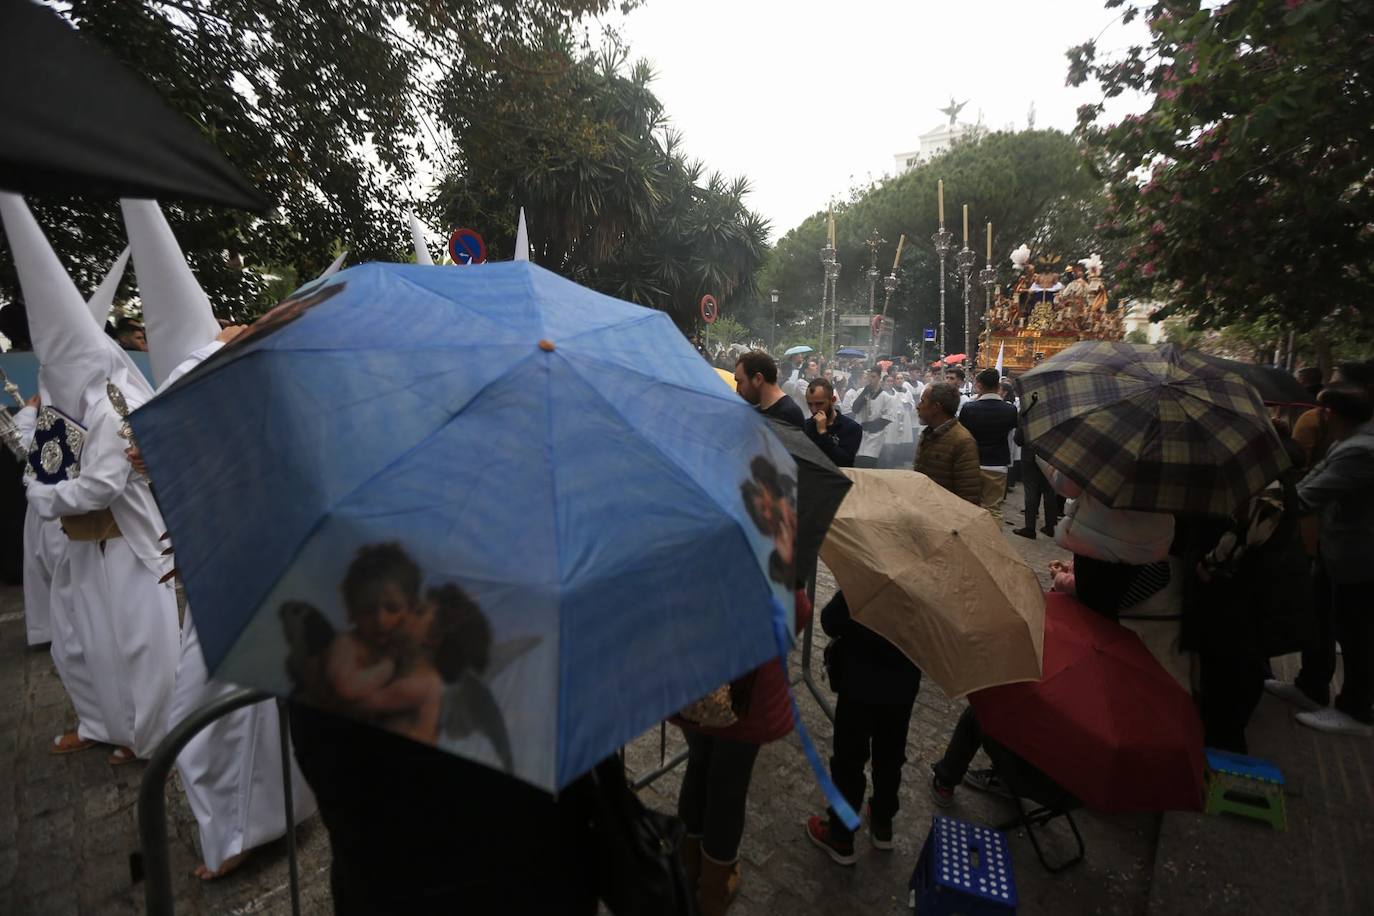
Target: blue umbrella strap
<point>832,794</point>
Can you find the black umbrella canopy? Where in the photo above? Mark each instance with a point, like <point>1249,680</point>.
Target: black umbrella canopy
<point>820,490</point>
<point>75,121</point>
<point>1275,386</point>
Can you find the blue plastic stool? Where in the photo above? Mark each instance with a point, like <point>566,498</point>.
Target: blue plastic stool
<point>1246,786</point>
<point>965,869</point>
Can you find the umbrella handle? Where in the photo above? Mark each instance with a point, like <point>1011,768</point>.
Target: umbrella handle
<point>1034,399</point>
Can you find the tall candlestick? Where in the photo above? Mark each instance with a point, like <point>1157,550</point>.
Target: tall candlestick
<point>900,242</point>
<point>965,225</point>
<point>989,242</point>
<point>940,185</point>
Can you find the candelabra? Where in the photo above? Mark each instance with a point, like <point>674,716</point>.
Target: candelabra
<point>964,260</point>
<point>873,274</point>
<point>832,276</point>
<point>988,277</point>
<point>889,287</point>
<point>827,260</point>
<point>10,435</point>
<point>944,243</point>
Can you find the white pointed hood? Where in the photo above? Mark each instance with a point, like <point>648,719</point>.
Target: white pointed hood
<point>522,239</point>
<point>333,268</point>
<point>102,300</point>
<point>75,357</point>
<point>417,235</point>
<point>177,317</point>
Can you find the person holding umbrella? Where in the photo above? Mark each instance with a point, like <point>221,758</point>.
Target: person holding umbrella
<point>876,688</point>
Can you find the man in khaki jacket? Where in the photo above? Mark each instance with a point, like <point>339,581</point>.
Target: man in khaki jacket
<point>948,453</point>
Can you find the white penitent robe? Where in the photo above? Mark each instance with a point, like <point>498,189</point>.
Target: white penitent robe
<point>231,770</point>
<point>115,628</point>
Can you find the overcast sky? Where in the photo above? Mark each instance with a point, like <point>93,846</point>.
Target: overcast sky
<point>808,99</point>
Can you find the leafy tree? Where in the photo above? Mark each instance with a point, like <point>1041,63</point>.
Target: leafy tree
<point>610,198</point>
<point>1243,193</point>
<point>727,330</point>
<point>328,108</point>
<point>1031,184</point>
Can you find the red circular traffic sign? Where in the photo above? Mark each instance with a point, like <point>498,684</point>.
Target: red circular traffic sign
<point>465,246</point>
<point>710,309</point>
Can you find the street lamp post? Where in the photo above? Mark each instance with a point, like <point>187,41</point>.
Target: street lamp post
<point>773,338</point>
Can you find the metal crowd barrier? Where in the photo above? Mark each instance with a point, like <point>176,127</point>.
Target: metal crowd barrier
<point>156,865</point>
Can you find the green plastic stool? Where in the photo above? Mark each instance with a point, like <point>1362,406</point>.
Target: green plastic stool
<point>1246,786</point>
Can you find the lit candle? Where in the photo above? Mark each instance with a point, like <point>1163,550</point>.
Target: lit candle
<point>965,225</point>
<point>941,186</point>
<point>900,242</point>
<point>989,242</point>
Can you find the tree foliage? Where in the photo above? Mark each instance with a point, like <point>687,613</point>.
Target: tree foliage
<point>1244,191</point>
<point>331,109</point>
<point>611,200</point>
<point>1031,184</point>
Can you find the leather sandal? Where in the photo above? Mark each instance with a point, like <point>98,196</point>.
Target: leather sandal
<point>69,743</point>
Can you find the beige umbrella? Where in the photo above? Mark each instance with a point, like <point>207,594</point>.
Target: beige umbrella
<point>933,575</point>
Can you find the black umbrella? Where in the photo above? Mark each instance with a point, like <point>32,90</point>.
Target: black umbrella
<point>820,490</point>
<point>75,121</point>
<point>1275,386</point>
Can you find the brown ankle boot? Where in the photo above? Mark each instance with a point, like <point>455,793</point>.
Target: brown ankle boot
<point>719,885</point>
<point>691,858</point>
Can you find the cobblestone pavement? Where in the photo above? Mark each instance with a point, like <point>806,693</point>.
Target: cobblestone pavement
<point>67,824</point>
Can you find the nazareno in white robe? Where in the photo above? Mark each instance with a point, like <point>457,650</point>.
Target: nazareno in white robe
<point>114,627</point>
<point>231,770</point>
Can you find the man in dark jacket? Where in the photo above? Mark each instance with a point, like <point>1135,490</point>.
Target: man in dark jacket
<point>1035,489</point>
<point>876,689</point>
<point>947,453</point>
<point>991,421</point>
<point>833,432</point>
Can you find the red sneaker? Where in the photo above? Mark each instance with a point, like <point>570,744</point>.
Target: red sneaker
<point>841,851</point>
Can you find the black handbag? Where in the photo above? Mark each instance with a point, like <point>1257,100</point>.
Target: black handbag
<point>639,862</point>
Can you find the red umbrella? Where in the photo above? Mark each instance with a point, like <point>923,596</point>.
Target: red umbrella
<point>1105,721</point>
<point>955,358</point>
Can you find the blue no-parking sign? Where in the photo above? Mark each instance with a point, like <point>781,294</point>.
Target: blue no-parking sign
<point>465,246</point>
<point>930,335</point>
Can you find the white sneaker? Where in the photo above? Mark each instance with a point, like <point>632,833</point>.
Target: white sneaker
<point>1335,722</point>
<point>1286,690</point>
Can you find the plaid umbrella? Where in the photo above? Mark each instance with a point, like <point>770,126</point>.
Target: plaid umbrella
<point>1153,428</point>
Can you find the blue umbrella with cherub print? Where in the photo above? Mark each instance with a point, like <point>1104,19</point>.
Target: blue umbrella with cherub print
<point>484,507</point>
